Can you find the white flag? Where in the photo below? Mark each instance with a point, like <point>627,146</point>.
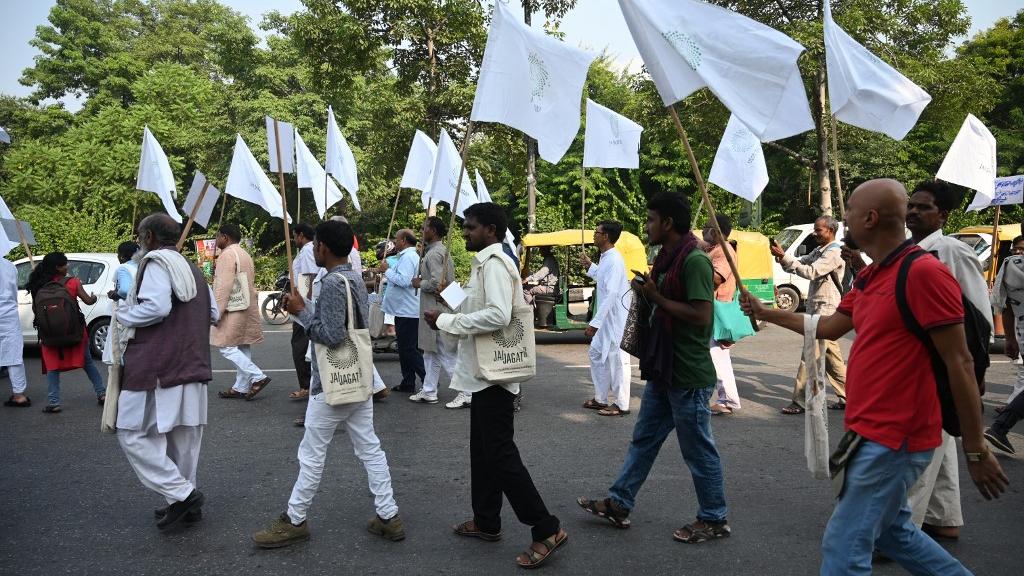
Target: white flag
<point>420,164</point>
<point>247,181</point>
<point>687,45</point>
<point>739,165</point>
<point>971,160</point>
<point>6,244</point>
<point>4,136</point>
<point>531,82</point>
<point>285,132</point>
<point>341,163</point>
<point>446,176</point>
<point>611,139</point>
<point>1009,190</point>
<point>865,91</point>
<point>209,199</point>
<point>155,174</point>
<point>311,175</point>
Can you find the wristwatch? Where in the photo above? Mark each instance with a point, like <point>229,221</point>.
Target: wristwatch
<point>978,456</point>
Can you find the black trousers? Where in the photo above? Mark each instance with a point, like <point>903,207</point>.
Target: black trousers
<point>300,343</point>
<point>497,468</point>
<point>409,355</point>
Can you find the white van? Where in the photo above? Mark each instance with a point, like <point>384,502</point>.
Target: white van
<point>797,241</point>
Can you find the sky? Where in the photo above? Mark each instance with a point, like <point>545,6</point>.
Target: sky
<point>594,24</point>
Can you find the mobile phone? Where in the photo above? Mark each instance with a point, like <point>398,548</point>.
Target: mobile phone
<point>640,279</point>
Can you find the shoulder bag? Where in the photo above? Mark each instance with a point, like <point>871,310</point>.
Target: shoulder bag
<point>346,370</point>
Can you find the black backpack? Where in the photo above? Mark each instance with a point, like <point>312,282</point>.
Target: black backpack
<point>976,329</point>
<point>58,319</point>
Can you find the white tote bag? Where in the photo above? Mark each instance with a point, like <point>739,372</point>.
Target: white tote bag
<point>815,417</point>
<point>346,370</point>
<point>509,354</point>
<point>238,300</point>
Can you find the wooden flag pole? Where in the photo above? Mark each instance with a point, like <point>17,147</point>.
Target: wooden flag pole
<point>327,178</point>
<point>458,188</point>
<point>24,243</point>
<point>192,216</point>
<point>298,204</point>
<point>835,165</point>
<point>135,210</point>
<point>284,205</point>
<point>995,250</point>
<point>712,216</point>
<point>223,204</point>
<point>583,208</point>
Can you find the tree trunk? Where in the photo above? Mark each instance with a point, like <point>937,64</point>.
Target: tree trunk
<point>531,153</point>
<point>821,131</point>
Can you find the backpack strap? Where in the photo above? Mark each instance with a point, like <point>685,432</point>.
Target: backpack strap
<point>903,305</point>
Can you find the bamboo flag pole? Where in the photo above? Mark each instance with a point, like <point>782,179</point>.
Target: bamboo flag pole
<point>298,204</point>
<point>995,250</point>
<point>458,188</point>
<point>583,208</point>
<point>835,164</point>
<point>327,178</point>
<point>192,216</point>
<point>223,204</point>
<point>24,243</point>
<point>712,216</point>
<point>284,205</point>
<point>135,210</point>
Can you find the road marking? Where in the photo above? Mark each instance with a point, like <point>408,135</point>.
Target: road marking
<point>588,366</point>
<point>225,371</point>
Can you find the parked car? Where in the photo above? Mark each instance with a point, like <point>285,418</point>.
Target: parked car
<point>96,271</point>
<point>790,289</point>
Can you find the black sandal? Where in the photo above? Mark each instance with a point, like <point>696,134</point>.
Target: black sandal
<point>606,509</point>
<point>470,529</point>
<point>793,408</point>
<point>593,404</point>
<point>706,531</point>
<point>52,408</point>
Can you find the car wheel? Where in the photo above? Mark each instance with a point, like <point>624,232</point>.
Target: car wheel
<point>787,299</point>
<point>98,336</point>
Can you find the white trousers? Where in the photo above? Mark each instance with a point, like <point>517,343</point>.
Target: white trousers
<point>1018,386</point>
<point>378,382</point>
<point>19,381</point>
<point>725,385</point>
<point>935,497</point>
<point>164,463</point>
<point>611,376</point>
<point>433,362</point>
<point>247,372</point>
<point>321,422</point>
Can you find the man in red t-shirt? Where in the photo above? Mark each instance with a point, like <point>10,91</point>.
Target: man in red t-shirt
<point>892,402</point>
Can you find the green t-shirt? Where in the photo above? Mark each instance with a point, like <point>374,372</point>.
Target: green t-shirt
<point>692,366</point>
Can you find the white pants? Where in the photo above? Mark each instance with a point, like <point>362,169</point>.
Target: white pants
<point>247,372</point>
<point>321,422</point>
<point>378,382</point>
<point>164,463</point>
<point>19,381</point>
<point>433,362</point>
<point>1018,326</point>
<point>935,497</point>
<point>728,395</point>
<point>611,375</point>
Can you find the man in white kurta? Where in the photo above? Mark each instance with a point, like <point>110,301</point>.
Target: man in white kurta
<point>609,364</point>
<point>11,342</point>
<point>162,405</point>
<point>935,498</point>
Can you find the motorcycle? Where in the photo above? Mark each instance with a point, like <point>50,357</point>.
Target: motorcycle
<point>273,309</point>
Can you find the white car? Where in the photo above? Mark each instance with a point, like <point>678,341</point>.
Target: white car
<point>790,289</point>
<point>96,271</point>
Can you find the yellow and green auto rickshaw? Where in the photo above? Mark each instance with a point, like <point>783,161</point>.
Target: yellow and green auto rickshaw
<point>754,260</point>
<point>573,302</point>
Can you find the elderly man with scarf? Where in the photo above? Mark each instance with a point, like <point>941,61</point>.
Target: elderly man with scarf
<point>166,366</point>
<point>676,363</point>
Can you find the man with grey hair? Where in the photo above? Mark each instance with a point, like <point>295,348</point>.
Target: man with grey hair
<point>401,301</point>
<point>161,410</point>
<point>824,268</point>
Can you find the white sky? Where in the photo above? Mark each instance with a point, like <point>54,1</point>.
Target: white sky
<point>594,25</point>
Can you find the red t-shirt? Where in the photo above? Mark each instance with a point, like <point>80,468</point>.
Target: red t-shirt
<point>890,387</point>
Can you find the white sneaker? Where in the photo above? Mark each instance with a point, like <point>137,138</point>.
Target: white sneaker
<point>461,401</point>
<point>422,398</point>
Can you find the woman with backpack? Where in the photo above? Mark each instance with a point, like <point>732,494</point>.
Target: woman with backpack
<point>61,326</point>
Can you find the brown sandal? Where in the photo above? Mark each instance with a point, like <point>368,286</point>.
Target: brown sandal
<point>300,394</point>
<point>793,408</point>
<point>612,410</point>
<point>469,529</point>
<point>606,509</point>
<point>257,387</point>
<point>230,393</point>
<point>532,558</point>
<point>593,404</point>
<point>701,531</point>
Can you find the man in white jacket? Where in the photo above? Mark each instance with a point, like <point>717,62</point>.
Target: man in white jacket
<point>935,498</point>
<point>609,364</point>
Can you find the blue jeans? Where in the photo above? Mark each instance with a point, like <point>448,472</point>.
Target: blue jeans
<point>53,380</point>
<point>873,513</point>
<point>662,409</point>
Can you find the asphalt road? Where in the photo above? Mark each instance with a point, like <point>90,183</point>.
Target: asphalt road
<point>70,504</point>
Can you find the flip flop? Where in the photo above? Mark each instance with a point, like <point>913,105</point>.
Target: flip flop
<point>793,409</point>
<point>300,394</point>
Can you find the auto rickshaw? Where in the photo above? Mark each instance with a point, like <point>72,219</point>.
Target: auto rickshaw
<point>980,239</point>
<point>574,301</point>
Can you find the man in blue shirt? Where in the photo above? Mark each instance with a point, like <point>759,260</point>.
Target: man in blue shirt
<point>403,303</point>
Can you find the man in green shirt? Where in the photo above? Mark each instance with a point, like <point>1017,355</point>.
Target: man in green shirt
<point>680,376</point>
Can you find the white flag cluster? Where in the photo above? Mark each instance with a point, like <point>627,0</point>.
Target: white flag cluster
<point>155,174</point>
<point>611,139</point>
<point>340,162</point>
<point>445,176</point>
<point>971,160</point>
<point>281,142</point>
<point>687,45</point>
<point>531,82</point>
<point>247,181</point>
<point>311,175</point>
<point>739,165</point>
<point>420,164</point>
<point>865,91</point>
<point>6,243</point>
<point>205,209</point>
<point>4,136</point>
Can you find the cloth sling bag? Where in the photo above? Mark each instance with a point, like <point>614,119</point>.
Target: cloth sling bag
<point>346,370</point>
<point>509,354</point>
<point>815,419</point>
<point>731,324</point>
<point>238,300</point>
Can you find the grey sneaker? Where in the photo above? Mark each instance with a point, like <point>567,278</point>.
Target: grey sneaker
<point>392,528</point>
<point>999,440</point>
<point>281,533</point>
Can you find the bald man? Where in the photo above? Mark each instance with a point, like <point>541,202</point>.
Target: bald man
<point>893,419</point>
